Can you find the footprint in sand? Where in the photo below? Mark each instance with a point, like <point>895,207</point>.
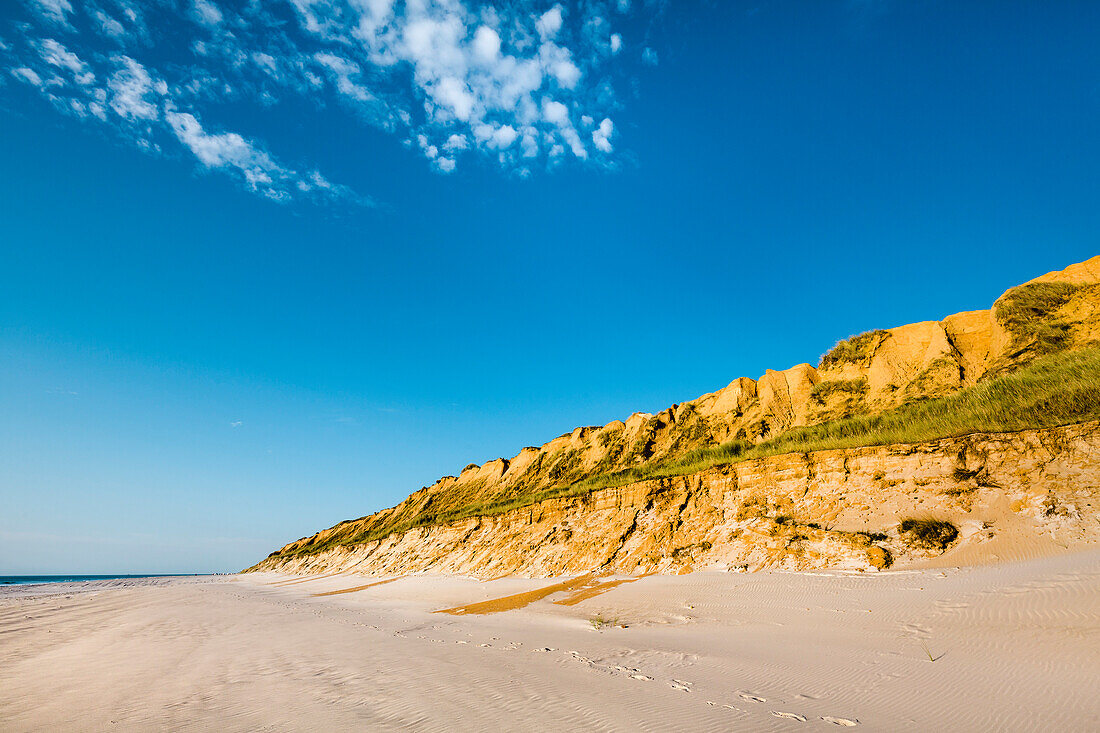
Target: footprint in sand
<point>840,721</point>
<point>916,630</point>
<point>946,605</point>
<point>680,685</point>
<point>642,677</point>
<point>752,698</point>
<point>789,716</point>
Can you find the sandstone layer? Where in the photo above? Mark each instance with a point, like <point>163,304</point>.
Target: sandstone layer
<point>1011,495</point>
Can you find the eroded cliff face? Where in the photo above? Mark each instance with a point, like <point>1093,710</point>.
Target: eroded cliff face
<point>864,374</point>
<point>1010,495</point>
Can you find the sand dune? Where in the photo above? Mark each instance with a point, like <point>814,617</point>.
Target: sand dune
<point>1016,647</point>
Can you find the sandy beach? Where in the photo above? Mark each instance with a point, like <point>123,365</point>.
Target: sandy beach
<point>1016,647</point>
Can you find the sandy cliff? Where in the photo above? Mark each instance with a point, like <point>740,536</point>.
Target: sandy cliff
<point>1011,496</point>
<point>799,511</point>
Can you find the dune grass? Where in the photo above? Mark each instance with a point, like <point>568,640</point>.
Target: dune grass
<point>1027,311</point>
<point>1058,389</point>
<point>853,350</point>
<point>822,391</point>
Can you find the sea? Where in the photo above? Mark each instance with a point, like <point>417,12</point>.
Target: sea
<point>6,580</point>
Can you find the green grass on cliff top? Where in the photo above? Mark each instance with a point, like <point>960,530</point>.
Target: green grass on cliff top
<point>1060,389</point>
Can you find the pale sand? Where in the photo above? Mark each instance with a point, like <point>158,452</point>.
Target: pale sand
<point>1017,647</point>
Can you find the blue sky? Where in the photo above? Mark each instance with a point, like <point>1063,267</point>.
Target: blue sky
<point>264,268</point>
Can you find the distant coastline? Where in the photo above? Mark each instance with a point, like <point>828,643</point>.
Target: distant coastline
<point>6,580</point>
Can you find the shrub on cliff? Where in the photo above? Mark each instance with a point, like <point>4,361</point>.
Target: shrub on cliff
<point>931,534</point>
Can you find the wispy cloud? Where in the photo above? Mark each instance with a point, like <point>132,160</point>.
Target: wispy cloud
<point>55,11</point>
<point>524,85</point>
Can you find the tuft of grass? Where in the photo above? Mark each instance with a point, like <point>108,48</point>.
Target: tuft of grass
<point>599,623</point>
<point>822,391</point>
<point>853,350</point>
<point>933,534</point>
<point>1027,313</point>
<point>929,653</point>
<point>939,378</point>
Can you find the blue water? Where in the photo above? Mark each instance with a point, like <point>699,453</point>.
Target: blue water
<point>32,579</point>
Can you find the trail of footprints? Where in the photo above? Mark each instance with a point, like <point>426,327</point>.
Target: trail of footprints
<point>676,684</point>
<point>631,672</point>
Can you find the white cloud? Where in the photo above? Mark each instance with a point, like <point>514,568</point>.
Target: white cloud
<point>549,23</point>
<point>529,144</point>
<point>475,69</point>
<point>56,11</point>
<point>131,88</point>
<point>55,54</point>
<point>206,13</point>
<point>232,152</point>
<point>341,71</point>
<point>516,83</point>
<point>573,140</point>
<point>454,95</point>
<point>649,56</point>
<point>455,143</point>
<point>266,62</point>
<point>30,76</point>
<point>486,44</point>
<point>601,136</point>
<point>555,112</point>
<point>109,26</point>
<point>215,151</point>
<point>567,73</point>
<point>504,136</point>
